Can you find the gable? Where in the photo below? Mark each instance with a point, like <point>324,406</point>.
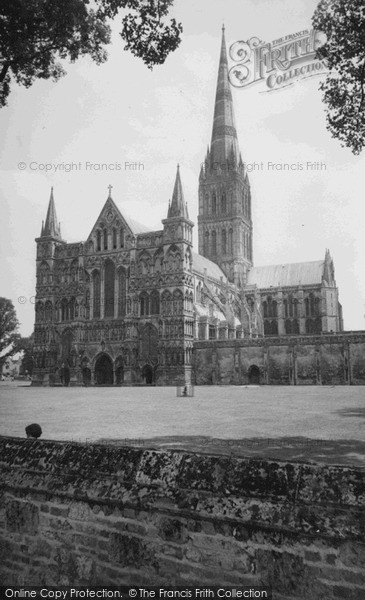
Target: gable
<point>110,216</point>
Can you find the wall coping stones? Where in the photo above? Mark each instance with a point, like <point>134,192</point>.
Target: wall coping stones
<point>352,337</point>
<point>311,499</point>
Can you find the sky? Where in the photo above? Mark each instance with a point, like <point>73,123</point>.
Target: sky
<point>121,112</point>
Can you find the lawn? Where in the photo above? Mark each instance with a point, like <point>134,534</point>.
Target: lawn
<point>323,424</point>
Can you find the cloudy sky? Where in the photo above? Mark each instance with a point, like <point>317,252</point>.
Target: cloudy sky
<point>122,112</point>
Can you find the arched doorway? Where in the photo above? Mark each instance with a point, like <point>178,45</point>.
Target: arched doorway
<point>86,376</point>
<point>104,370</point>
<point>147,374</point>
<point>254,375</point>
<point>119,370</point>
<point>65,375</point>
<point>119,375</point>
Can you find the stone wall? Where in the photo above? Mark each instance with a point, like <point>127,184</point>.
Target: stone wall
<point>331,359</point>
<point>99,515</point>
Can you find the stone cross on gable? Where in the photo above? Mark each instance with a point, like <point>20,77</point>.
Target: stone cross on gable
<point>110,187</point>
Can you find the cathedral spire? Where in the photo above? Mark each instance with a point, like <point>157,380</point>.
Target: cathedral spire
<point>178,207</point>
<point>224,144</point>
<point>51,226</point>
<point>225,223</point>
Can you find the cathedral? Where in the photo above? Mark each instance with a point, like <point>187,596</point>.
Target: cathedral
<point>130,305</point>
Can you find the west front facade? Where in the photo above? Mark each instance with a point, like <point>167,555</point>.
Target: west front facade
<point>133,306</point>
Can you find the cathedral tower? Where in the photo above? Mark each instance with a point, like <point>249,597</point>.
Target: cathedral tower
<point>225,225</point>
<point>177,295</point>
<point>47,243</point>
<point>46,308</point>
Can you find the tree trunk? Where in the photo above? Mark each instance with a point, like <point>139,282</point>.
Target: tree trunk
<point>4,71</point>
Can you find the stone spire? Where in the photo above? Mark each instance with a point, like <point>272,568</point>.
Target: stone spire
<point>224,144</point>
<point>178,207</point>
<point>51,226</point>
<point>225,222</point>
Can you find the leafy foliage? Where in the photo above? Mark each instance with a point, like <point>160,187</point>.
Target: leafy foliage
<point>147,34</point>
<point>26,344</point>
<point>343,22</point>
<point>9,336</point>
<point>36,34</point>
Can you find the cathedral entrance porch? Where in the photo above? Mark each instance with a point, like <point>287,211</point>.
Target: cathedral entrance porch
<point>104,370</point>
<point>147,374</point>
<point>65,375</point>
<point>86,376</point>
<point>119,375</point>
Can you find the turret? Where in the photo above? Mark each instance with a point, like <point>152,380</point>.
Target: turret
<point>51,227</point>
<point>46,244</point>
<point>177,225</point>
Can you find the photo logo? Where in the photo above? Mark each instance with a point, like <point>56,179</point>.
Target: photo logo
<point>278,63</point>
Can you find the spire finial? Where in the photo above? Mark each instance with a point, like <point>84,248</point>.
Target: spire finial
<point>110,187</point>
<point>51,227</point>
<point>177,207</point>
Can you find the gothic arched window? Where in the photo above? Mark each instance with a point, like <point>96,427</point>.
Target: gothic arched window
<point>114,239</point>
<point>122,292</point>
<point>178,302</point>
<point>312,305</point>
<point>230,241</point>
<point>214,204</point>
<point>166,302</point>
<point>144,303</point>
<point>271,307</point>
<point>72,308</point>
<point>109,288</point>
<point>224,241</point>
<point>105,235</point>
<point>158,261</point>
<point>316,308</point>
<point>64,310</point>
<point>121,237</point>
<point>155,303</point>
<point>206,242</point>
<point>274,327</point>
<point>48,310</point>
<point>313,325</point>
<point>98,240</point>
<point>96,294</point>
<point>270,328</point>
<point>223,204</point>
<point>39,311</point>
<point>44,271</point>
<point>214,243</point>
